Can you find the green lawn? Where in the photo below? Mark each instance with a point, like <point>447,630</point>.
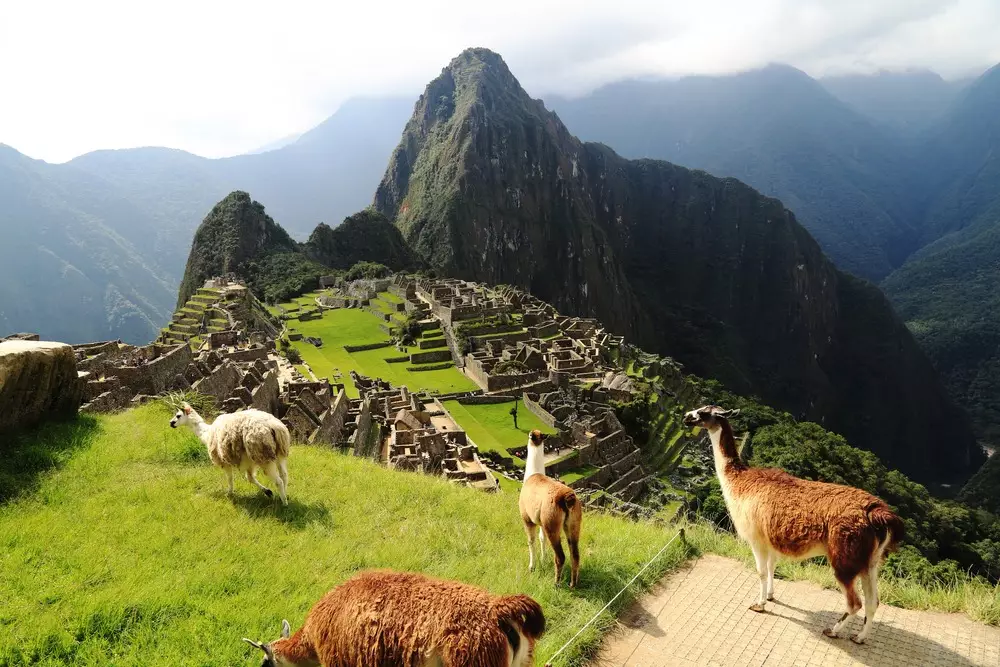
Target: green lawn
<point>351,326</point>
<point>573,475</point>
<point>492,428</point>
<point>390,297</point>
<point>118,545</point>
<point>444,380</point>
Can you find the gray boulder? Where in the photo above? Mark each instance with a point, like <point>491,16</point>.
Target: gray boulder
<point>37,380</point>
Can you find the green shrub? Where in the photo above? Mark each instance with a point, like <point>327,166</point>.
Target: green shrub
<point>367,270</point>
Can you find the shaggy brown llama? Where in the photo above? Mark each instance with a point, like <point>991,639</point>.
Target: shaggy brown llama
<point>779,514</point>
<point>403,619</point>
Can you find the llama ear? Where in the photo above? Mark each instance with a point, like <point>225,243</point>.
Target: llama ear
<point>187,408</point>
<point>254,644</point>
<point>286,629</point>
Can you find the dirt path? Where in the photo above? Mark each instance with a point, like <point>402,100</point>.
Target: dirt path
<point>699,616</point>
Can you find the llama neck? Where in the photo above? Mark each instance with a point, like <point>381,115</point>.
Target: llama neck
<point>535,464</point>
<point>295,650</point>
<point>200,428</point>
<point>727,457</point>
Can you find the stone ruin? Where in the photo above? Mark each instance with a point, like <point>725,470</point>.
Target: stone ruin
<point>424,437</point>
<point>566,369</point>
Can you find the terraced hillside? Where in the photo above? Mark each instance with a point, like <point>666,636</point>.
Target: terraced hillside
<point>212,310</point>
<point>369,328</point>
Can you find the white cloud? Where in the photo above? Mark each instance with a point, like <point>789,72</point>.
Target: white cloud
<point>217,77</point>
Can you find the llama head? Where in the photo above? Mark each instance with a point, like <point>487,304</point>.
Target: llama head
<point>708,416</point>
<point>270,659</point>
<point>536,438</point>
<point>183,416</point>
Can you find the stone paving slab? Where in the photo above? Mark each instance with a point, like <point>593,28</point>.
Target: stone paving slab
<point>700,616</point>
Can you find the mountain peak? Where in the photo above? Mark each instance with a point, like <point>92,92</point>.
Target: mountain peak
<point>237,230</point>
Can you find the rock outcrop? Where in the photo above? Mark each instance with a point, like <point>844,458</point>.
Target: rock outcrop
<point>38,380</point>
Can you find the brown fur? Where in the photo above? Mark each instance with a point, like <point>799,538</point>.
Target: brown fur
<point>554,506</point>
<point>778,513</point>
<point>796,514</point>
<point>401,619</point>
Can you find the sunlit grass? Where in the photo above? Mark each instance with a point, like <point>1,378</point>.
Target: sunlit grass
<point>125,549</point>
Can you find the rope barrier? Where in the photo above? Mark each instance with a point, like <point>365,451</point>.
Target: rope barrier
<point>679,533</point>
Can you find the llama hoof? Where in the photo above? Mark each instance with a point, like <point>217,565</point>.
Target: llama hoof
<point>830,633</point>
<point>858,640</point>
<point>770,598</point>
<point>269,493</point>
<point>757,607</point>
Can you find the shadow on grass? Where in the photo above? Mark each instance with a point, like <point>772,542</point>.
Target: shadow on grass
<point>296,514</point>
<point>25,456</point>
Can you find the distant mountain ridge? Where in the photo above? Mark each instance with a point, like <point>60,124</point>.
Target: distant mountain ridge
<point>779,131</point>
<point>909,101</point>
<point>126,218</point>
<point>487,184</point>
<point>949,291</point>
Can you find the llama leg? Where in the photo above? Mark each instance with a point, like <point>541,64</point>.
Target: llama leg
<point>760,558</point>
<point>846,582</point>
<point>229,478</point>
<point>251,473</point>
<point>541,545</point>
<point>271,470</point>
<point>529,528</point>
<point>555,539</point>
<point>574,559</point>
<point>772,562</point>
<point>869,582</point>
<point>283,470</point>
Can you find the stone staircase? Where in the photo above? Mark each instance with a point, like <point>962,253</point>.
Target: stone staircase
<point>197,316</point>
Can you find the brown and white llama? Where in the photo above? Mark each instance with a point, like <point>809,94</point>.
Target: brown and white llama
<point>406,619</point>
<point>779,514</point>
<point>551,507</point>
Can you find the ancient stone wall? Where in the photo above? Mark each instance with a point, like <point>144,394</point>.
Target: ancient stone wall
<point>430,356</point>
<point>369,346</point>
<point>157,375</point>
<point>506,382</point>
<point>485,400</point>
<point>221,382</point>
<point>539,411</point>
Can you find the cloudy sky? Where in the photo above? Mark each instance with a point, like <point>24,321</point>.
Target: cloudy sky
<point>220,77</point>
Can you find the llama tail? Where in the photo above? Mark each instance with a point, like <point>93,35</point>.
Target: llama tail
<point>889,527</point>
<point>520,611</point>
<point>282,441</point>
<point>566,501</point>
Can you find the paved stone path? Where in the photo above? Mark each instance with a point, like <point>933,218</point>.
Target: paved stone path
<point>699,616</point>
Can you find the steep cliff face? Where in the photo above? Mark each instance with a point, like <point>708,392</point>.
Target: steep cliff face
<point>487,184</point>
<point>235,232</point>
<point>365,236</point>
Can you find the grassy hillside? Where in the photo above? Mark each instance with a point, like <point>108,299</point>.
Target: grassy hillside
<point>138,557</point>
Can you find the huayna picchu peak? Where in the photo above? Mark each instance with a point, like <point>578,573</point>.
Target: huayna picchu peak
<point>487,184</point>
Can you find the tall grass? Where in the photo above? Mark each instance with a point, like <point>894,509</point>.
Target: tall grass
<point>129,552</point>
